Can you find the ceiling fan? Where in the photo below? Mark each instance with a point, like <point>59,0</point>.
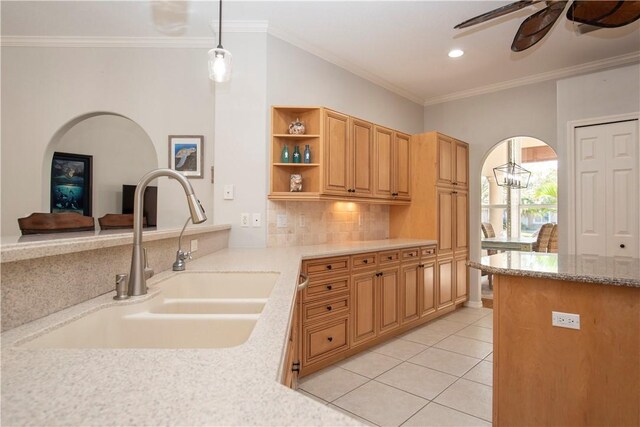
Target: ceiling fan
<point>594,14</point>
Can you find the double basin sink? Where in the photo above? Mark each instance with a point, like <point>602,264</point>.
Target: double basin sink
<point>192,310</point>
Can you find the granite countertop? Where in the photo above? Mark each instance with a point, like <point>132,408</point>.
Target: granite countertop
<point>231,386</point>
<point>19,248</point>
<point>616,271</point>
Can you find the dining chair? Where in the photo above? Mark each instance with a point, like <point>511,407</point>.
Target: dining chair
<point>487,231</point>
<point>544,235</point>
<point>552,247</point>
<point>46,223</point>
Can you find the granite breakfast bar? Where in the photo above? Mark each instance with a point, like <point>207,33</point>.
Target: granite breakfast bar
<point>547,375</point>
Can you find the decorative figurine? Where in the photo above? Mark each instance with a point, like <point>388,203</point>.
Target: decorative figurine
<point>297,127</point>
<point>296,182</point>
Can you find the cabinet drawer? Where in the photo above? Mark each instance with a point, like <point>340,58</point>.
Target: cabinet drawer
<point>327,265</point>
<point>325,340</point>
<point>428,251</point>
<point>326,309</point>
<point>389,257</point>
<point>410,254</point>
<point>363,261</point>
<point>325,288</point>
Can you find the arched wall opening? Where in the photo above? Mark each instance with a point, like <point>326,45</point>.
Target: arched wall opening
<point>121,149</point>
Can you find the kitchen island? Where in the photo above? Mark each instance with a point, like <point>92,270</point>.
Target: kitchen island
<point>550,375</point>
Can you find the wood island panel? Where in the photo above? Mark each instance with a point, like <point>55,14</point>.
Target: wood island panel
<point>551,376</point>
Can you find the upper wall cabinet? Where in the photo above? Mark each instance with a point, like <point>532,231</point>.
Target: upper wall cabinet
<point>452,162</point>
<point>351,159</point>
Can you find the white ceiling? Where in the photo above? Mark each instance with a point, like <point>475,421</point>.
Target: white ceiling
<point>402,45</point>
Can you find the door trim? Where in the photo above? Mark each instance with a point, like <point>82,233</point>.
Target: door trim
<point>571,164</point>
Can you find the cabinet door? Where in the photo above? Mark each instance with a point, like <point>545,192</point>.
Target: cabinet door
<point>409,293</point>
<point>460,216</point>
<point>445,220</point>
<point>382,178</point>
<point>389,299</point>
<point>445,282</point>
<point>362,158</point>
<point>446,156</point>
<point>461,277</point>
<point>336,153</point>
<point>428,287</point>
<point>363,311</point>
<point>292,361</point>
<point>462,165</point>
<point>402,167</point>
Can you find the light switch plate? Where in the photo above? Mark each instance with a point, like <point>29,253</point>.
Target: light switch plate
<point>228,192</point>
<point>194,245</point>
<point>257,220</point>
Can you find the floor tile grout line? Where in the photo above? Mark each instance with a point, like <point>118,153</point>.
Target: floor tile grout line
<point>455,409</point>
<point>414,414</point>
<point>443,372</point>
<point>471,338</point>
<point>353,413</point>
<point>358,415</point>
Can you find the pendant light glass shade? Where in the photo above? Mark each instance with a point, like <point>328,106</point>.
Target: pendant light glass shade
<point>220,65</point>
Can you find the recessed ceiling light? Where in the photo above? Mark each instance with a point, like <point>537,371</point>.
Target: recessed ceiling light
<point>455,53</point>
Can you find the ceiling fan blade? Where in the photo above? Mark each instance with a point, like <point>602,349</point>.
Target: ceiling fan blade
<point>535,27</point>
<point>607,14</point>
<point>501,11</point>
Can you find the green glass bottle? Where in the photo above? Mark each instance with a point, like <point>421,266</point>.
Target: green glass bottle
<point>296,155</point>
<point>284,156</point>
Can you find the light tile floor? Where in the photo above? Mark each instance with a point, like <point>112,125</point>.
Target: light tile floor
<point>439,374</point>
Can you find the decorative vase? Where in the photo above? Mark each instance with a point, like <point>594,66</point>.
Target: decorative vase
<point>297,127</point>
<point>307,154</point>
<point>296,155</point>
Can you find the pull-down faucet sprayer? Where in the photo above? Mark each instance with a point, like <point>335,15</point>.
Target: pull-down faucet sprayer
<point>137,279</point>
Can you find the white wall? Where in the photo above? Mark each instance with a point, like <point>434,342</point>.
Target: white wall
<point>595,95</point>
<point>485,120</point>
<point>165,91</point>
<point>240,140</point>
<point>121,151</point>
<point>269,71</point>
<point>296,77</point>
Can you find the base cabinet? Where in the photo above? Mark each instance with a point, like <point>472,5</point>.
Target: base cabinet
<point>354,302</point>
<point>461,277</point>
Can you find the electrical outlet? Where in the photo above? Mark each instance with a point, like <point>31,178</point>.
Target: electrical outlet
<point>194,245</point>
<point>244,220</point>
<point>257,220</point>
<point>565,320</point>
<point>282,221</point>
<point>302,220</point>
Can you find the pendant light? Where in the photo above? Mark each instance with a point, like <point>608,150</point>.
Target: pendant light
<point>511,174</point>
<point>220,58</point>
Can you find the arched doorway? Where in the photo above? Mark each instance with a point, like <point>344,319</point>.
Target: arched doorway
<point>516,205</point>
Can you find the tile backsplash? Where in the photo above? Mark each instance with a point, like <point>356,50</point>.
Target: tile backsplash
<point>312,223</point>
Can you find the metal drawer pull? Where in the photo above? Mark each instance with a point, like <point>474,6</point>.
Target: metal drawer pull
<point>329,267</point>
<point>366,261</point>
<point>305,282</point>
<point>330,339</point>
<point>329,308</point>
<point>389,258</point>
<point>329,287</point>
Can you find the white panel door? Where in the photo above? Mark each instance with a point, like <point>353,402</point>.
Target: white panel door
<point>607,189</point>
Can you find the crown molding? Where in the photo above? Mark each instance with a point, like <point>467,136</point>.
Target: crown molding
<point>335,60</point>
<point>136,42</point>
<point>561,73</point>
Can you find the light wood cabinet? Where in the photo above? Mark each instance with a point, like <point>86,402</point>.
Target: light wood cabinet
<point>418,285</point>
<point>364,313</point>
<point>409,292</point>
<point>351,159</point>
<point>389,296</point>
<point>292,358</point>
<point>439,210</point>
<point>427,283</point>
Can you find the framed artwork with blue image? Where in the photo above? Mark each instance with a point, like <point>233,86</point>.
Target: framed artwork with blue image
<point>71,180</point>
<point>186,154</point>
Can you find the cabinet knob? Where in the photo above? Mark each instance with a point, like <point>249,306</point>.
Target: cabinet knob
<point>329,308</point>
<point>389,258</point>
<point>329,287</point>
<point>329,267</point>
<point>330,339</point>
<point>366,261</point>
<point>622,245</point>
<point>455,183</point>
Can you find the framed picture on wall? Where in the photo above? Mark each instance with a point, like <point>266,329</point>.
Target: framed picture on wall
<point>71,183</point>
<point>186,154</point>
